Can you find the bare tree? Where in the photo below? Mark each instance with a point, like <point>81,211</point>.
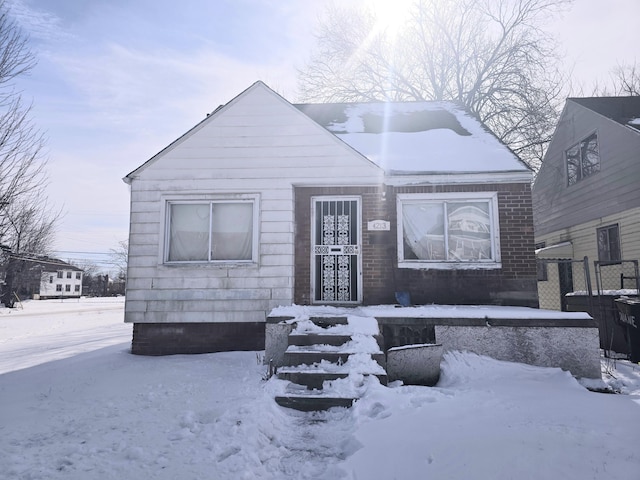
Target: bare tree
<point>30,225</point>
<point>27,224</point>
<point>120,257</point>
<point>22,163</point>
<point>626,81</point>
<point>490,55</point>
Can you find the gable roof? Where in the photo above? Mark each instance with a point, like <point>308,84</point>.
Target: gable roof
<point>417,137</point>
<point>221,109</point>
<point>47,264</point>
<point>402,138</point>
<point>623,110</point>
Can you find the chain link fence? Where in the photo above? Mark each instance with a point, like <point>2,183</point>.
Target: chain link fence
<point>619,278</point>
<point>557,277</point>
<point>568,285</point>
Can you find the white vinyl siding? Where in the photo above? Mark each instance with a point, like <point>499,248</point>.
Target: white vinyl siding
<point>584,242</point>
<point>258,145</point>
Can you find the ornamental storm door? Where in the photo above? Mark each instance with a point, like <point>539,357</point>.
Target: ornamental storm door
<point>335,262</point>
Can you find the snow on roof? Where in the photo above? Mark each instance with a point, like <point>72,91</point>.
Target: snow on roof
<point>559,250</point>
<point>417,137</point>
<point>48,264</point>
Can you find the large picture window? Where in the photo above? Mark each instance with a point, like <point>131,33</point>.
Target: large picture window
<point>211,231</point>
<point>583,159</point>
<point>448,231</point>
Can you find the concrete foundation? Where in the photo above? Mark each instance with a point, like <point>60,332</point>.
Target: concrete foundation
<point>187,338</point>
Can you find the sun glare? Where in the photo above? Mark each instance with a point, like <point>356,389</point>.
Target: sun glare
<point>391,15</point>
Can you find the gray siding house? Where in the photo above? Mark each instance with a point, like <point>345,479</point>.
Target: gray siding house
<point>586,196</point>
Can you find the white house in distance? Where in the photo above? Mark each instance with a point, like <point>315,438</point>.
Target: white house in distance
<point>65,282</point>
<point>41,277</point>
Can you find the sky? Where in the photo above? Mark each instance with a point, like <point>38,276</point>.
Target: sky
<point>118,81</point>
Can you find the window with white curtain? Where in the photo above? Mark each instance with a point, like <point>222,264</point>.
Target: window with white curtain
<point>448,230</point>
<point>211,231</point>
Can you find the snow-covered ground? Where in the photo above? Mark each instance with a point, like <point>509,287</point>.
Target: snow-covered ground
<point>75,404</point>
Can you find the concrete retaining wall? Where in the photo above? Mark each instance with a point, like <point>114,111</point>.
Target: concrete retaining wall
<point>564,342</point>
<point>573,349</point>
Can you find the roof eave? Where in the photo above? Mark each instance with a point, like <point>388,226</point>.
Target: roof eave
<point>438,178</point>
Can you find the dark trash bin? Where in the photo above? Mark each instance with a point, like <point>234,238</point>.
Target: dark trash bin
<point>613,333</point>
<point>629,309</point>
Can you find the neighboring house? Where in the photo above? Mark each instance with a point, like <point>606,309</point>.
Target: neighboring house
<point>265,203</point>
<point>587,204</point>
<point>587,194</point>
<point>40,277</point>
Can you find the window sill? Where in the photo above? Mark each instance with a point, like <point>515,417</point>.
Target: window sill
<point>229,264</point>
<point>451,265</point>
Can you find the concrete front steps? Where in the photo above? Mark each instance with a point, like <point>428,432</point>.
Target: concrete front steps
<point>327,360</point>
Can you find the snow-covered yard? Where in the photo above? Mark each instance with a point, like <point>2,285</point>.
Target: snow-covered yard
<point>75,404</point>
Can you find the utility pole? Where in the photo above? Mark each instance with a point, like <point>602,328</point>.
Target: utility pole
<point>5,260</point>
<point>2,205</point>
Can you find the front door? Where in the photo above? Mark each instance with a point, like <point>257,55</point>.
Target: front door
<point>335,263</point>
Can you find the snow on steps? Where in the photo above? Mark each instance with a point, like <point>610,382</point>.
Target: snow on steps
<point>328,360</point>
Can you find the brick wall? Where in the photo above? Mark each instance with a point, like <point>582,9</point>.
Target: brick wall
<point>185,338</point>
<point>513,284</point>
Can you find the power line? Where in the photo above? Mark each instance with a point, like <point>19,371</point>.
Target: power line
<point>84,253</point>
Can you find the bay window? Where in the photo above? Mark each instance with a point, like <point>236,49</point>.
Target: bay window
<point>457,230</point>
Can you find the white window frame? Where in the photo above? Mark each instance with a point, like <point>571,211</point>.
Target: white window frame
<point>419,198</point>
<point>254,199</point>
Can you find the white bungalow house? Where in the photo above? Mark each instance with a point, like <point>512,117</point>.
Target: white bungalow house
<point>265,203</point>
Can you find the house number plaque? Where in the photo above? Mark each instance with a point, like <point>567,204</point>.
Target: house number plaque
<point>379,225</point>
